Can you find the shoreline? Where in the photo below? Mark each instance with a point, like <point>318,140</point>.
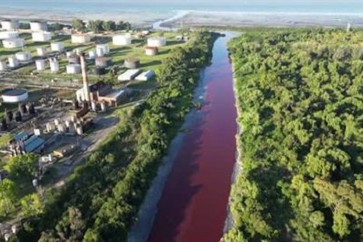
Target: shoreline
<point>169,20</point>
<point>229,222</point>
<point>141,229</point>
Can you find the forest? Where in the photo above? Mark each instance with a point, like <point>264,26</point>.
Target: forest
<point>101,200</point>
<point>300,105</point>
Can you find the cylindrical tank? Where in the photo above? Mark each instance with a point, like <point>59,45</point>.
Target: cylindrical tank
<point>99,71</point>
<point>99,52</point>
<point>42,51</point>
<point>74,119</point>
<point>31,108</point>
<point>94,106</point>
<point>103,107</point>
<point>8,24</point>
<point>41,36</point>
<point>57,46</point>
<point>102,61</point>
<point>150,51</point>
<point>56,122</point>
<point>121,40</point>
<point>54,65</point>
<point>13,62</point>
<point>104,47</point>
<point>23,56</point>
<point>73,69</point>
<point>74,59</point>
<point>9,116</point>
<point>13,43</point>
<point>69,54</point>
<point>3,65</point>
<point>132,63</point>
<point>38,26</point>
<point>80,38</point>
<point>40,64</point>
<point>79,129</point>
<point>61,128</point>
<point>49,127</point>
<point>9,35</point>
<point>156,42</point>
<point>18,117</point>
<point>92,54</point>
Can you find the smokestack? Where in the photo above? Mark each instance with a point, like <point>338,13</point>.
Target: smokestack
<point>86,91</point>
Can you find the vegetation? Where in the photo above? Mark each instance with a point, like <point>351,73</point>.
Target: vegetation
<point>300,103</point>
<point>100,201</point>
<point>98,26</point>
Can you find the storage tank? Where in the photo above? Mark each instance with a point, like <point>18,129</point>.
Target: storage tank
<point>132,63</point>
<point>99,71</point>
<point>73,69</point>
<point>13,62</point>
<point>57,46</point>
<point>23,56</point>
<point>103,107</point>
<point>99,52</point>
<point>41,36</point>
<point>54,65</point>
<point>94,106</point>
<point>3,65</point>
<point>79,129</point>
<point>156,41</point>
<point>36,26</point>
<point>104,47</point>
<point>14,95</point>
<point>80,38</point>
<point>49,127</point>
<point>121,40</point>
<point>8,24</point>
<point>40,64</point>
<point>92,55</point>
<point>74,59</point>
<point>150,50</point>
<point>13,43</point>
<point>102,61</point>
<point>61,128</point>
<point>42,51</point>
<point>9,35</point>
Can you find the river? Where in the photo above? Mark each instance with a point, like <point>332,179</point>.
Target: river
<point>193,205</point>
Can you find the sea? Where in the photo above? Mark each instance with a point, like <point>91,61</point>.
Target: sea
<point>336,7</point>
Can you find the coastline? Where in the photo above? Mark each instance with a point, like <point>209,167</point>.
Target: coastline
<point>170,20</point>
<point>140,231</point>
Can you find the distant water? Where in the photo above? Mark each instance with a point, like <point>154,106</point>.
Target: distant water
<point>256,6</point>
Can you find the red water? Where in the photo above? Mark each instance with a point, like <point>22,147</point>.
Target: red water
<point>194,201</point>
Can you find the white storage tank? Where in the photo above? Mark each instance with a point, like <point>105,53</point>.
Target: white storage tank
<point>151,51</point>
<point>9,24</point>
<point>57,46</point>
<point>41,36</point>
<point>38,26</point>
<point>13,43</point>
<point>73,69</point>
<point>156,41</point>
<point>122,40</point>
<point>104,48</point>
<point>40,64</point>
<point>69,54</point>
<point>54,65</point>
<point>14,95</point>
<point>13,62</point>
<point>42,51</point>
<point>92,54</point>
<point>80,38</point>
<point>23,56</point>
<point>3,65</point>
<point>99,52</point>
<point>9,35</point>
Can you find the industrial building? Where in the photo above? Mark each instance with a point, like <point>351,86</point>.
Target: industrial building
<point>102,92</point>
<point>129,75</point>
<point>24,142</point>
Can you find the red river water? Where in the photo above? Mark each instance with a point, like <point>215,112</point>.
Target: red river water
<point>193,206</point>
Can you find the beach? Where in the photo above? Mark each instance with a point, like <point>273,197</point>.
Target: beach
<point>191,18</point>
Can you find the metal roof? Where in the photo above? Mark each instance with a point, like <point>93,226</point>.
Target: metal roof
<point>33,143</point>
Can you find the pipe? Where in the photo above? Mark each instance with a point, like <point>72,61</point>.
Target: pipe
<point>86,91</point>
